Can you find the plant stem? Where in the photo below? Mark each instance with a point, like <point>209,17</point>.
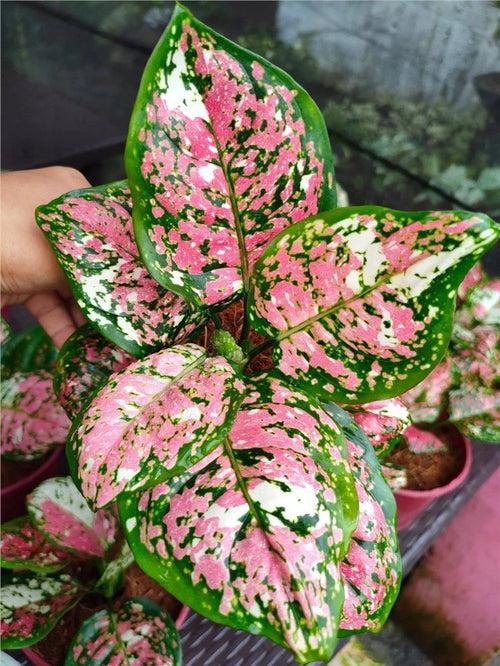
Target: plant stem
<point>258,349</point>
<point>216,319</point>
<point>245,328</point>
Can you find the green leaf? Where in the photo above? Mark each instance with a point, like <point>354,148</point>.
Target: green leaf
<point>61,514</point>
<point>224,150</point>
<point>138,632</point>
<point>32,604</point>
<point>360,300</point>
<point>5,332</point>
<point>22,546</point>
<point>26,351</point>
<point>152,421</point>
<point>84,363</point>
<point>91,233</point>
<point>253,535</point>
<point>111,579</point>
<point>33,422</point>
<point>371,570</point>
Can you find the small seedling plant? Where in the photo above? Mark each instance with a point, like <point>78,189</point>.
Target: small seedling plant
<point>252,496</point>
<point>54,556</point>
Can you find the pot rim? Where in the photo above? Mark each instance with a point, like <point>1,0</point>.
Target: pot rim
<point>26,480</point>
<point>451,485</point>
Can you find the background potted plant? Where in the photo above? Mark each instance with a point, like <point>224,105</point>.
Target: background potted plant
<point>68,569</point>
<point>253,497</point>
<point>458,400</point>
<point>34,425</point>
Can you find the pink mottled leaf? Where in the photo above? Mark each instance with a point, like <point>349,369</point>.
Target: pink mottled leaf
<point>33,422</point>
<point>423,441</point>
<point>474,277</point>
<point>61,514</point>
<point>395,475</point>
<point>92,235</point>
<point>371,569</point>
<point>481,305</point>
<point>32,604</point>
<point>383,422</point>
<point>360,300</point>
<point>475,411</point>
<point>85,361</point>
<point>252,536</point>
<point>224,150</point>
<point>139,632</point>
<point>152,421</point>
<point>22,546</point>
<point>427,400</point>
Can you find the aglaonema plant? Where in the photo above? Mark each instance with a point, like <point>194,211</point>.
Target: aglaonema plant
<point>251,496</point>
<point>48,554</point>
<point>33,421</point>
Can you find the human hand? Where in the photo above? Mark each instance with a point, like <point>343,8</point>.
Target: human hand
<point>30,273</point>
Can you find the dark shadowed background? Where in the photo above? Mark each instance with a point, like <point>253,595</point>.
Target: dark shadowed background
<point>410,90</point>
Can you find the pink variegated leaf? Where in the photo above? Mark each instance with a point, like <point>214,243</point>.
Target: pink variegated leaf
<point>475,410</point>
<point>32,604</point>
<point>474,277</point>
<point>138,632</point>
<point>152,421</point>
<point>252,536</point>
<point>395,475</point>
<point>91,233</point>
<point>427,400</point>
<point>371,569</point>
<point>33,422</point>
<point>60,513</point>
<point>481,305</point>
<point>383,422</point>
<point>224,150</point>
<point>423,441</point>
<point>354,298</point>
<point>85,361</point>
<point>22,546</point>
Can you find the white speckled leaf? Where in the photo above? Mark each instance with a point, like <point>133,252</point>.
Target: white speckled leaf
<point>91,233</point>
<point>33,422</point>
<point>61,514</point>
<point>371,570</point>
<point>252,536</point>
<point>224,150</point>
<point>360,300</point>
<point>153,420</point>
<point>32,604</point>
<point>383,422</point>
<point>138,633</point>
<point>23,547</point>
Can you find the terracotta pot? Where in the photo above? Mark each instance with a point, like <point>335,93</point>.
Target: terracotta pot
<point>36,660</point>
<point>411,503</point>
<point>13,496</point>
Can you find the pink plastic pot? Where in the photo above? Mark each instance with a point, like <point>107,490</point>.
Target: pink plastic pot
<point>13,496</point>
<point>36,660</point>
<point>411,503</point>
